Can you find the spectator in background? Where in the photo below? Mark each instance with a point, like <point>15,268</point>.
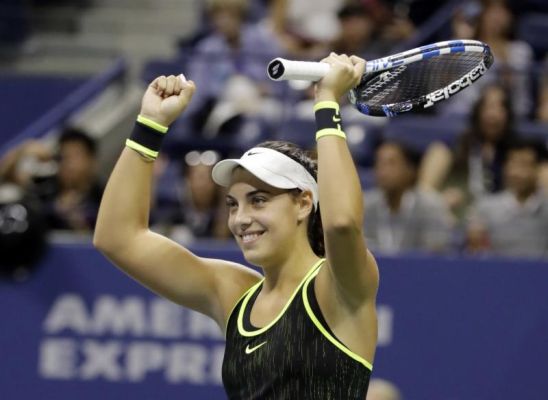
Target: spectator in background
<point>380,389</point>
<point>514,222</point>
<point>234,51</point>
<point>398,21</point>
<point>541,114</point>
<point>475,167</point>
<point>495,25</point>
<point>65,180</point>
<point>399,216</point>
<point>305,28</point>
<point>78,192</point>
<point>26,163</point>
<point>356,32</point>
<point>513,57</point>
<point>465,19</point>
<point>194,207</point>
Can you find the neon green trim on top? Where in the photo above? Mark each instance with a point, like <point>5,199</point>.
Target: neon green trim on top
<point>254,287</point>
<point>324,331</point>
<point>152,124</point>
<point>326,104</point>
<point>330,132</point>
<point>241,328</point>
<point>141,149</point>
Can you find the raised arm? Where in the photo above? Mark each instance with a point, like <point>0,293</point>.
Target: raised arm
<point>32,148</point>
<point>435,166</point>
<point>352,266</point>
<point>122,233</point>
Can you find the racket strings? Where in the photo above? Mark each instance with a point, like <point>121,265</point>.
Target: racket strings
<point>412,81</point>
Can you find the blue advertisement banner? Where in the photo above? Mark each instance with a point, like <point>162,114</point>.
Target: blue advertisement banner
<point>449,329</point>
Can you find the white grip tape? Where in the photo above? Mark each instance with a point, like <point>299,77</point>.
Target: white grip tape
<point>281,69</point>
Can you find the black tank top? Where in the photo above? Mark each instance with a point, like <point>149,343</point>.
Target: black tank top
<point>296,356</point>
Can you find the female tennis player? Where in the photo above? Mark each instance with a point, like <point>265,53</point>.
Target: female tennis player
<point>307,329</point>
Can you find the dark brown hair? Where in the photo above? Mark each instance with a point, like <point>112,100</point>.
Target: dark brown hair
<point>308,159</point>
<point>474,135</point>
<point>71,134</point>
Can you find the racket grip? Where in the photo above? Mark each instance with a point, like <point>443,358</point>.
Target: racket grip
<point>281,69</point>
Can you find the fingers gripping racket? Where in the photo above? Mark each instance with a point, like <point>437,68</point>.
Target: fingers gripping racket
<point>413,80</point>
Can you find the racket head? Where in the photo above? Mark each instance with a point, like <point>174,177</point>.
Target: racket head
<point>420,78</point>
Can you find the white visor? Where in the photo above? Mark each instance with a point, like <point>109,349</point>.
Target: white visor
<point>270,166</point>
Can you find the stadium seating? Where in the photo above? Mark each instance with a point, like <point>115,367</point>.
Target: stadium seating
<point>533,29</point>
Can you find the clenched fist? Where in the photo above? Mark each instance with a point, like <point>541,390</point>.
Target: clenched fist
<point>166,98</point>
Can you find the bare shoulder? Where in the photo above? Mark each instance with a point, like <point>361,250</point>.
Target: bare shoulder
<point>232,280</point>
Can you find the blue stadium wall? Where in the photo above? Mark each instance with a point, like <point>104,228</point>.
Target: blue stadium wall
<point>450,329</point>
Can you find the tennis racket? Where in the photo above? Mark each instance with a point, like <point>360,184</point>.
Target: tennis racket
<point>413,80</point>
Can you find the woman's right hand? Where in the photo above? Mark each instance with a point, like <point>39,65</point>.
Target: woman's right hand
<point>166,98</point>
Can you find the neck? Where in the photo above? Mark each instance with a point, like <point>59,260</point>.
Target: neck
<point>286,273</point>
<point>393,199</point>
<point>522,196</point>
<point>233,42</point>
<point>82,187</point>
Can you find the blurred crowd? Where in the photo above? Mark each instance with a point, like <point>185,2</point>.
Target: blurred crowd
<point>483,193</point>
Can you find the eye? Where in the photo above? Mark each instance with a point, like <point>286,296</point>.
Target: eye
<point>230,203</point>
<point>258,200</point>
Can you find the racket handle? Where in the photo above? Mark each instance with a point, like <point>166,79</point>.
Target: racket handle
<point>281,69</point>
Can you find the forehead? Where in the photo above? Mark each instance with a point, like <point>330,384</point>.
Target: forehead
<point>522,154</point>
<point>494,94</point>
<point>391,150</point>
<point>243,181</point>
<point>74,146</point>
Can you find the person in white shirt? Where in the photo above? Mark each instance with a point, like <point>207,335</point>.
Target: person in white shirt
<point>514,222</point>
<point>398,215</point>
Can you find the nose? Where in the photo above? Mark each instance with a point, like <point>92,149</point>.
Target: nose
<point>242,218</point>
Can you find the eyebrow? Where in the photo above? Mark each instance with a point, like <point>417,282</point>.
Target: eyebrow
<point>250,194</point>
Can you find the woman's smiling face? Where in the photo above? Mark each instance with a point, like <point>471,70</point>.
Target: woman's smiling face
<point>262,218</point>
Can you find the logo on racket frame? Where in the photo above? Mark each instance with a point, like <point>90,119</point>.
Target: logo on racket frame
<point>456,86</point>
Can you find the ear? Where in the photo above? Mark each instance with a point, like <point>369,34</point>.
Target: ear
<point>306,205</point>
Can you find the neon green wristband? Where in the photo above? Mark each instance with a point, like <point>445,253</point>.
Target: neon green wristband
<point>146,138</point>
<point>328,120</point>
<point>330,132</point>
<point>152,124</point>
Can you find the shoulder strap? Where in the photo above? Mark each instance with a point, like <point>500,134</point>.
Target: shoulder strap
<point>315,314</point>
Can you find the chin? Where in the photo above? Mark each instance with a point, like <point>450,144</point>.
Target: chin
<point>254,257</point>
<point>257,256</point>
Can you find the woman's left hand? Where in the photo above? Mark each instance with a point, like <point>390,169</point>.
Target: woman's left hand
<point>345,73</point>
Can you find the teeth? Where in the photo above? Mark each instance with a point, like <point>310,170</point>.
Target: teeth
<point>250,237</point>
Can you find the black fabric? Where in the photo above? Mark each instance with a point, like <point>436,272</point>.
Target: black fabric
<point>328,118</point>
<point>316,308</point>
<point>147,137</point>
<point>290,360</point>
<point>247,312</point>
